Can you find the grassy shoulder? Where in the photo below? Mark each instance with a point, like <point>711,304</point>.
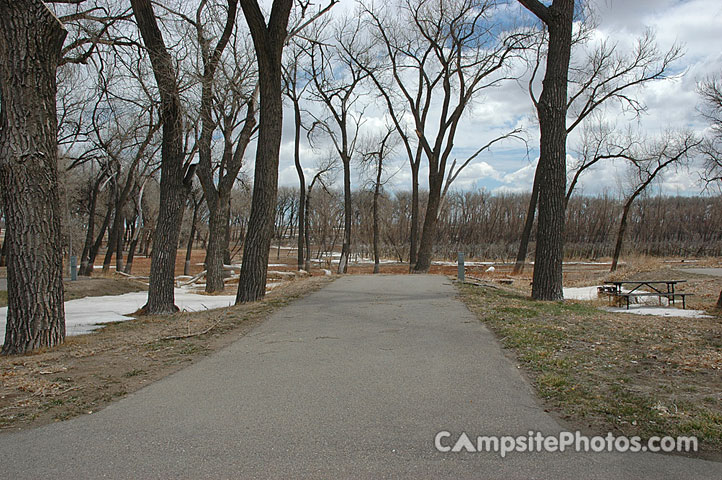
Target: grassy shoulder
<point>90,371</point>
<point>628,374</point>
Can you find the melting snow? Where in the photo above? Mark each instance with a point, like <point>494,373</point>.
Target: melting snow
<point>89,313</point>
<point>648,306</point>
<point>659,311</point>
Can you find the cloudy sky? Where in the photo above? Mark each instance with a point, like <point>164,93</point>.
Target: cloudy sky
<point>671,103</point>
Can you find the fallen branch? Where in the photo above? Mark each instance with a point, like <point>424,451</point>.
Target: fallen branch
<point>192,280</point>
<point>197,334</point>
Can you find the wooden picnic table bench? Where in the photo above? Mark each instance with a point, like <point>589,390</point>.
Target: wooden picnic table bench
<point>668,291</point>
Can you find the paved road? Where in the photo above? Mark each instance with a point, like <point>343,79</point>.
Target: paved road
<point>353,381</point>
<point>714,272</point>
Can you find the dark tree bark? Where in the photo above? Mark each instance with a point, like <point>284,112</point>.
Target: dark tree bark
<point>95,248</point>
<point>301,182</point>
<point>620,233</point>
<point>547,281</point>
<point>218,197</point>
<point>4,252</point>
<point>268,41</point>
<point>31,38</point>
<point>347,214</point>
<point>528,226</point>
<point>377,194</point>
<point>428,234</point>
<point>414,234</point>
<point>90,234</point>
<point>173,186</point>
<point>189,247</point>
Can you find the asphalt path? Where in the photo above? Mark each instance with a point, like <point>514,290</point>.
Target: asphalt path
<point>711,271</point>
<point>353,381</point>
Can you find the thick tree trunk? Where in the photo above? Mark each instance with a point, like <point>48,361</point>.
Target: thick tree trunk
<point>30,47</point>
<point>547,283</point>
<point>719,300</point>
<point>173,188</point>
<point>347,213</point>
<point>217,246</point>
<point>414,215</point>
<point>268,42</point>
<point>426,246</point>
<point>4,252</point>
<point>528,226</point>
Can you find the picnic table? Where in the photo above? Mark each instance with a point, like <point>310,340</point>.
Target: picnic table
<point>660,288</point>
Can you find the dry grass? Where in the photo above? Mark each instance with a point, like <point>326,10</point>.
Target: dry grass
<point>629,374</point>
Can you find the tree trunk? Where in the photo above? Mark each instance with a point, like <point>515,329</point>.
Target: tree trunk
<point>423,260</point>
<point>414,214</point>
<point>377,193</point>
<point>620,234</point>
<point>719,300</point>
<point>84,257</point>
<point>528,225</point>
<point>31,38</point>
<point>131,255</point>
<point>227,257</point>
<point>95,248</point>
<point>173,186</point>
<point>301,183</point>
<point>268,42</point>
<point>547,283</point>
<point>217,236</point>
<point>189,248</point>
<point>4,252</point>
<point>347,213</point>
<point>307,229</point>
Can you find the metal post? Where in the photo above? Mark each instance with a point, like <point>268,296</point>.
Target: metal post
<point>73,268</point>
<point>460,275</point>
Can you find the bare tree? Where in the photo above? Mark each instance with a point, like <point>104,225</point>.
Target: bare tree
<point>294,90</point>
<point>337,82</point>
<point>445,54</point>
<point>375,151</point>
<point>229,106</point>
<point>175,177</point>
<point>601,76</point>
<point>269,38</point>
<point>552,112</point>
<point>28,174</point>
<point>711,92</point>
<point>648,163</point>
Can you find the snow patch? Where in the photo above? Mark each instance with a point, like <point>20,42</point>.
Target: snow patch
<point>87,314</point>
<point>581,293</point>
<point>659,311</point>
